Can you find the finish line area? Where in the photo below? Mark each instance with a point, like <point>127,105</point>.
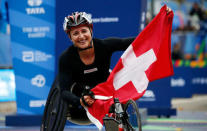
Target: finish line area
<point>191,116</point>
<point>184,121</point>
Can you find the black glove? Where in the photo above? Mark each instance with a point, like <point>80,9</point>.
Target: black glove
<point>87,92</point>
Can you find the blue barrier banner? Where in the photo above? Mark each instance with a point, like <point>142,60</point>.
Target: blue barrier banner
<point>7,85</point>
<point>157,95</point>
<point>180,83</point>
<point>199,81</point>
<point>188,81</point>
<point>33,49</point>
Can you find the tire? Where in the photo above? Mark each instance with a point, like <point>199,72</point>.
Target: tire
<point>132,117</point>
<point>54,117</point>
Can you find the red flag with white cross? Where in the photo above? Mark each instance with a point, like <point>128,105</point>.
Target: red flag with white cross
<point>148,58</point>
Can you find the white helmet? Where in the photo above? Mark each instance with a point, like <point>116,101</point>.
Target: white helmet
<point>77,18</point>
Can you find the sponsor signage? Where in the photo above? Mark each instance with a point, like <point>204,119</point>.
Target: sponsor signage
<point>179,82</point>
<point>199,80</point>
<point>33,50</point>
<point>156,91</point>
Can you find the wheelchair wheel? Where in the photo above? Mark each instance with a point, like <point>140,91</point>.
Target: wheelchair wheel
<point>54,117</point>
<point>132,116</point>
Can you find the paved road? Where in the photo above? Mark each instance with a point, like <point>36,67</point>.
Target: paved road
<point>184,121</point>
<point>191,116</point>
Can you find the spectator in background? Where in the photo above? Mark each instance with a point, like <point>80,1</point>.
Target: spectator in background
<point>197,15</point>
<point>196,10</point>
<point>4,18</point>
<point>176,52</point>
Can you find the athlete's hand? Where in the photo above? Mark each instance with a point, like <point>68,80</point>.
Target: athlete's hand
<point>88,99</point>
<point>168,10</point>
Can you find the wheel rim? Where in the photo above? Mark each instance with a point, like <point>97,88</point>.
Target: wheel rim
<point>133,120</point>
<point>52,110</point>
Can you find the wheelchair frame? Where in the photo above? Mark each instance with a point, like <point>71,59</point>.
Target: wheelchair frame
<point>56,110</point>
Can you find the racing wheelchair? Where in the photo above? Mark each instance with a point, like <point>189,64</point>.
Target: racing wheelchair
<point>57,112</point>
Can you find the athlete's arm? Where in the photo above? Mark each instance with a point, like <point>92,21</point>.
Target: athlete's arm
<point>118,44</point>
<point>65,83</point>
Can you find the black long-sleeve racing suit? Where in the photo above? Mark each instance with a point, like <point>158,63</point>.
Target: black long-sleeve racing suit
<point>72,69</point>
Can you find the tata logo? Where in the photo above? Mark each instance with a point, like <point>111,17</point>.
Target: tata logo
<point>38,80</point>
<point>31,11</point>
<point>34,2</point>
<point>177,82</point>
<point>35,10</point>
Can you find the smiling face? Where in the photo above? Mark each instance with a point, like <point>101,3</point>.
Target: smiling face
<point>81,36</point>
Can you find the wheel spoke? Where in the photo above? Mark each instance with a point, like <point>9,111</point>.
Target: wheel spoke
<point>134,119</point>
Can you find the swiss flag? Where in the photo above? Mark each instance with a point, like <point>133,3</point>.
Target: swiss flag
<point>148,58</point>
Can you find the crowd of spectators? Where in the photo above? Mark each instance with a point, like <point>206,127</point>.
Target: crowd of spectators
<point>189,29</point>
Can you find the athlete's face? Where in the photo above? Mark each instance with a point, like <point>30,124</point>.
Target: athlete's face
<point>81,36</point>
